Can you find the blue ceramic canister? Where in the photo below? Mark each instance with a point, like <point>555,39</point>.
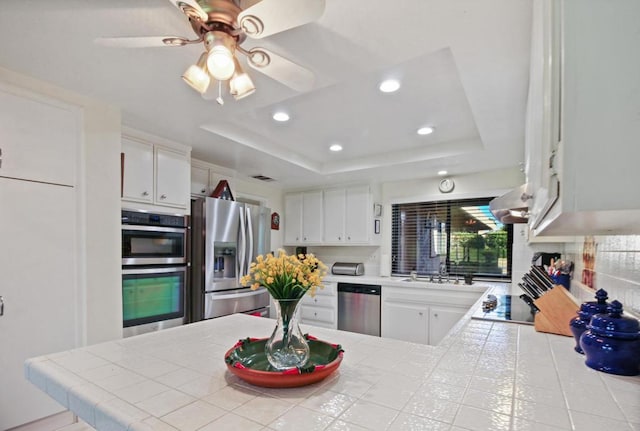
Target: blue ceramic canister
<point>611,342</point>
<point>579,323</point>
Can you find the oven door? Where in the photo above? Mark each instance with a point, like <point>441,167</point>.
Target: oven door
<point>153,295</point>
<point>153,245</point>
<point>243,300</point>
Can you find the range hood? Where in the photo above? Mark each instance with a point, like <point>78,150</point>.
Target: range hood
<point>512,207</point>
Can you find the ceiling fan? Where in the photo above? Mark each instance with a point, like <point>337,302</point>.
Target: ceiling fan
<point>222,26</point>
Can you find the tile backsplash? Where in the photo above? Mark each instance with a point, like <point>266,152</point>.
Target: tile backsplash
<point>616,268</point>
<point>369,256</point>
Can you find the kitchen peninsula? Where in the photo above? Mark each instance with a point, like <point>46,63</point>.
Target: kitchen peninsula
<point>482,376</point>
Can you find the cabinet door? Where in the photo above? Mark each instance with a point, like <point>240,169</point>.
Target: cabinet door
<point>172,178</point>
<point>312,216</point>
<point>358,215</point>
<point>200,181</point>
<point>334,213</point>
<point>138,171</point>
<point>293,219</point>
<point>441,320</point>
<point>38,138</point>
<point>37,263</point>
<point>407,322</point>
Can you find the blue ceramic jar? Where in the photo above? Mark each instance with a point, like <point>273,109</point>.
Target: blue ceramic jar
<point>579,323</point>
<point>611,342</point>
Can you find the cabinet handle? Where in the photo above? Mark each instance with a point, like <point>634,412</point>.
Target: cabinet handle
<point>419,313</point>
<point>339,238</point>
<point>163,196</point>
<point>315,300</point>
<point>1,306</point>
<point>145,193</point>
<point>305,238</point>
<point>0,158</point>
<point>203,191</point>
<point>315,314</point>
<point>349,238</point>
<point>435,315</point>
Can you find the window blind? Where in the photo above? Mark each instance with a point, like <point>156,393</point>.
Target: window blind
<point>454,237</point>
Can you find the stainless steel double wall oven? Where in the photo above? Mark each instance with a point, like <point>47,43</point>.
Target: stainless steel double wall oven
<point>154,271</point>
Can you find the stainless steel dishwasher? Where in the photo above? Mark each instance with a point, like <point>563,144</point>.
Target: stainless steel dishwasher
<point>359,308</point>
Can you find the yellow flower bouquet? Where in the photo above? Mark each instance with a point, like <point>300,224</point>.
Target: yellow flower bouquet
<point>287,278</point>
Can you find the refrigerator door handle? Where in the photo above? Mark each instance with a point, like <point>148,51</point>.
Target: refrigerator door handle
<point>242,245</point>
<point>250,238</point>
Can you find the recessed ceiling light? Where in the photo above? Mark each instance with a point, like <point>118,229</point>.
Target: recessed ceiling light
<point>442,173</point>
<point>389,86</point>
<point>336,147</point>
<point>425,130</point>
<point>281,116</point>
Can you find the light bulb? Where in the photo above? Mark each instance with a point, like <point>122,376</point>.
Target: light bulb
<point>240,85</point>
<point>197,76</point>
<point>220,60</point>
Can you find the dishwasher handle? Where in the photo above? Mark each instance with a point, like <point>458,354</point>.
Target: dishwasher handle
<point>364,289</point>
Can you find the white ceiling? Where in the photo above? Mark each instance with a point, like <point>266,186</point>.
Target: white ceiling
<point>463,66</point>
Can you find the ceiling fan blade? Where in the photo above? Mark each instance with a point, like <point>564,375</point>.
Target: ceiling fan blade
<point>190,8</point>
<point>142,42</point>
<point>273,16</point>
<point>281,69</point>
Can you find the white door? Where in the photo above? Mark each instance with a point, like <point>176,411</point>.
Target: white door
<point>358,215</point>
<point>441,320</point>
<point>293,219</point>
<point>407,322</point>
<point>172,178</point>
<point>138,171</point>
<point>334,212</point>
<point>38,285</point>
<point>38,137</point>
<point>312,224</point>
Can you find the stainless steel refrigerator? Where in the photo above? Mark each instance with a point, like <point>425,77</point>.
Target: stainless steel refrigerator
<point>226,236</point>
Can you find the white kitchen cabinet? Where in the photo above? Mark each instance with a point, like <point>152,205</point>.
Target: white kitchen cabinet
<point>406,321</point>
<point>321,309</point>
<point>38,137</point>
<point>582,128</point>
<point>172,178</point>
<point>347,215</point>
<point>423,315</point>
<point>200,181</point>
<point>40,140</point>
<point>441,320</point>
<point>155,175</point>
<point>303,218</point>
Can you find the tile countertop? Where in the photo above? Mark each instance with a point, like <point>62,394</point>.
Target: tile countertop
<point>478,285</point>
<point>482,376</point>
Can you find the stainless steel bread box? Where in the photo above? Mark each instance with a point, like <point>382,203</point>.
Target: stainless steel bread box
<point>347,268</point>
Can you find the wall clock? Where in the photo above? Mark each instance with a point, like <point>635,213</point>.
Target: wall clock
<point>446,185</point>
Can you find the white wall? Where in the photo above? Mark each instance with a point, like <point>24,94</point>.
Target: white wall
<point>98,211</point>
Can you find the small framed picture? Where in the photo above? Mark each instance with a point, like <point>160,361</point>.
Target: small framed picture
<point>376,227</point>
<point>377,210</point>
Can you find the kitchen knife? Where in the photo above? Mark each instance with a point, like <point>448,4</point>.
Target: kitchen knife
<point>527,299</point>
<point>543,276</point>
<point>533,284</point>
<point>529,291</point>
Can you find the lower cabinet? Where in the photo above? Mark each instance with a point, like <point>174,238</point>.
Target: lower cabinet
<point>406,322</point>
<point>321,309</point>
<point>422,315</point>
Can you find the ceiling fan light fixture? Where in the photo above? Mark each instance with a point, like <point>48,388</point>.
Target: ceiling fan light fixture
<point>220,61</point>
<point>197,75</point>
<point>241,84</point>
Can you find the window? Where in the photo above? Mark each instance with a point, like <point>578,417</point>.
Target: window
<point>456,237</point>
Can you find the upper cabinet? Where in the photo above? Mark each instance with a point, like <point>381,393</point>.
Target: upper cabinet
<point>582,119</point>
<point>303,218</point>
<point>155,175</point>
<point>347,215</point>
<point>339,216</point>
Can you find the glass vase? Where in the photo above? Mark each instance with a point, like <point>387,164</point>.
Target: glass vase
<point>287,347</point>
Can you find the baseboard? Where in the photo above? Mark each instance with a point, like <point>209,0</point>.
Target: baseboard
<point>50,423</point>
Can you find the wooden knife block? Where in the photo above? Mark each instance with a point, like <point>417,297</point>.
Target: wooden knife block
<point>557,308</point>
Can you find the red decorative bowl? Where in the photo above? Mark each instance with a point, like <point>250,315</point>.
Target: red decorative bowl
<point>248,360</point>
